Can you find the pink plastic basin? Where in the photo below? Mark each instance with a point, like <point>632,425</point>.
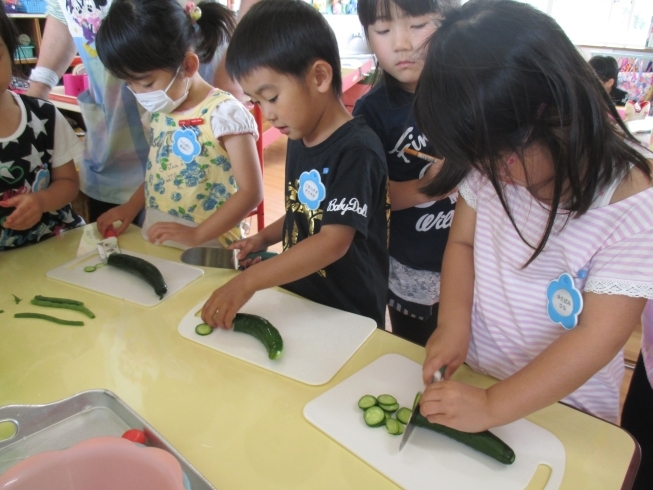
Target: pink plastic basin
<point>101,463</point>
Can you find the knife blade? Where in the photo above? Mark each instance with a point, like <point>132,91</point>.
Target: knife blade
<point>410,426</point>
<point>220,258</point>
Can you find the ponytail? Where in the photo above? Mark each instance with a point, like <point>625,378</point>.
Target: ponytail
<point>138,36</point>
<point>215,27</point>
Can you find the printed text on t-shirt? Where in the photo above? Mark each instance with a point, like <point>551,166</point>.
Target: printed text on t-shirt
<point>417,144</point>
<point>343,206</point>
<point>428,221</point>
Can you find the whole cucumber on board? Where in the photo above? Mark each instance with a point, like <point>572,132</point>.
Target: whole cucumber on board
<point>484,442</point>
<point>141,268</point>
<point>262,330</point>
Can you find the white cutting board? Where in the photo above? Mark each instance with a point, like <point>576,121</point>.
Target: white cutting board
<point>317,340</point>
<point>121,284</point>
<point>429,460</point>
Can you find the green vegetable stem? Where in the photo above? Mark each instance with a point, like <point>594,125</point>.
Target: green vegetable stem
<point>49,318</point>
<point>69,304</point>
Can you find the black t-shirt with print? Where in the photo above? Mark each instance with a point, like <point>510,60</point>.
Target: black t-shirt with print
<point>343,181</point>
<point>419,234</point>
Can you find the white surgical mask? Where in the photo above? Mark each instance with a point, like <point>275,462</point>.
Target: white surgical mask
<point>159,101</point>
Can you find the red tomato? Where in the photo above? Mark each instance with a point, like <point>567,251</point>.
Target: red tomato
<point>135,435</point>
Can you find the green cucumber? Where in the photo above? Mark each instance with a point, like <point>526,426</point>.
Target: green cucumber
<point>141,268</point>
<point>403,415</point>
<point>203,329</point>
<point>262,330</point>
<point>90,268</point>
<point>392,426</point>
<point>386,399</point>
<point>366,402</point>
<point>389,408</point>
<point>484,442</point>
<point>374,417</point>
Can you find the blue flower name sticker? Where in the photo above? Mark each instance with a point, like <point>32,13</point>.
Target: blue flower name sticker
<point>185,145</point>
<point>565,301</point>
<point>311,190</point>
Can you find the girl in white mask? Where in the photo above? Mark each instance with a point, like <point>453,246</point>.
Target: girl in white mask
<point>203,175</point>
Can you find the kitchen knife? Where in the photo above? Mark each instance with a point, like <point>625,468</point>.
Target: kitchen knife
<point>221,258</point>
<point>109,245</point>
<point>410,426</point>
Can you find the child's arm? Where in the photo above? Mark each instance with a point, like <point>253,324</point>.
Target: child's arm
<point>306,257</point>
<point>247,172</point>
<point>63,188</point>
<point>408,194</point>
<point>57,50</point>
<point>125,213</point>
<point>448,345</point>
<point>604,327</point>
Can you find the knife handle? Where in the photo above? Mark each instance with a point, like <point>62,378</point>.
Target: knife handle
<point>439,374</point>
<point>110,231</point>
<point>263,255</point>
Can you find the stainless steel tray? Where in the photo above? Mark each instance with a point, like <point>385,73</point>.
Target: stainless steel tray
<point>88,414</point>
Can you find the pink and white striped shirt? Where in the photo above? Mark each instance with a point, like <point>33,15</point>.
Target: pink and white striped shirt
<point>610,244</point>
<point>647,340</point>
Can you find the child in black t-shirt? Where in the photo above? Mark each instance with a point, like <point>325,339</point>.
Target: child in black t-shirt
<point>419,225</point>
<point>607,69</point>
<point>335,231</point>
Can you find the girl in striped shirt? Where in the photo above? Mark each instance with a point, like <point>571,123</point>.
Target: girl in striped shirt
<point>548,265</point>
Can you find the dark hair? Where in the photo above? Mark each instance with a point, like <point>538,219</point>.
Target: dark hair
<point>286,36</point>
<point>138,36</point>
<point>499,76</point>
<point>370,11</point>
<point>9,35</point>
<point>606,67</point>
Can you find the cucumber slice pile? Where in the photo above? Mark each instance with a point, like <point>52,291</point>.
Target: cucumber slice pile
<point>378,411</point>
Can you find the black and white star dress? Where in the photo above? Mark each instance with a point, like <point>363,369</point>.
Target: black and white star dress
<point>43,140</point>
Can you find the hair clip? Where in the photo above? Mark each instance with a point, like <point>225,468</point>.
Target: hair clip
<point>193,11</point>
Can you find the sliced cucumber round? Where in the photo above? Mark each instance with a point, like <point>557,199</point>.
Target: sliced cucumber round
<point>366,402</point>
<point>90,268</point>
<point>392,426</point>
<point>374,417</point>
<point>386,399</point>
<point>401,429</point>
<point>390,408</point>
<point>203,329</point>
<point>403,415</point>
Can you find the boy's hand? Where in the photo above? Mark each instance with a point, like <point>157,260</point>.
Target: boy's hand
<point>123,213</point>
<point>254,243</point>
<point>28,211</point>
<point>221,308</point>
<point>160,232</point>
